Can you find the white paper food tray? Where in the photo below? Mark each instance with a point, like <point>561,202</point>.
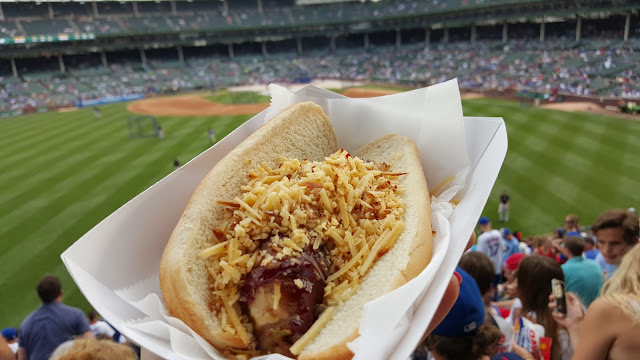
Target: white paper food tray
<point>129,242</point>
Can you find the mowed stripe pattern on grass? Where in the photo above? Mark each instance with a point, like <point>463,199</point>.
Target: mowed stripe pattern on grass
<point>65,172</point>
<point>560,163</point>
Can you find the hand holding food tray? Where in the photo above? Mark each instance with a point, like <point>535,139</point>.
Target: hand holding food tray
<point>135,235</point>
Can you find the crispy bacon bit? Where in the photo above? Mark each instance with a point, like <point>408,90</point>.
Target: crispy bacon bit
<point>392,174</point>
<point>348,155</point>
<point>312,185</point>
<point>218,233</point>
<point>433,232</point>
<point>230,204</point>
<point>382,252</point>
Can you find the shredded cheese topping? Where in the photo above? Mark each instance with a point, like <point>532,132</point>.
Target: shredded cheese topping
<point>349,208</point>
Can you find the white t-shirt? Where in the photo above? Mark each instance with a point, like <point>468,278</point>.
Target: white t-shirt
<point>490,243</point>
<point>101,328</point>
<point>14,347</point>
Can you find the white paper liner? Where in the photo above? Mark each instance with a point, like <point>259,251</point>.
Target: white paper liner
<point>391,325</point>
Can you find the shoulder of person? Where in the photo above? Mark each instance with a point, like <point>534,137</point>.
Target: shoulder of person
<point>603,308</point>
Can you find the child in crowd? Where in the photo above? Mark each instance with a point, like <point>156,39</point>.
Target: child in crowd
<point>534,286</point>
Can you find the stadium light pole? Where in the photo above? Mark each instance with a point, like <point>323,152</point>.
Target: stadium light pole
<point>61,63</point>
<point>427,38</point>
<point>505,32</point>
<point>14,68</point>
<point>1,12</point>
<point>231,51</point>
<point>180,54</point>
<point>50,10</point>
<point>143,57</point>
<point>445,37</point>
<point>542,24</point>
<point>174,11</point>
<point>94,7</point>
<point>103,57</point>
<point>259,6</point>
<point>578,27</point>
<point>627,25</point>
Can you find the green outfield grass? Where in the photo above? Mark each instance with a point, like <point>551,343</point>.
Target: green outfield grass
<point>64,172</point>
<point>242,97</point>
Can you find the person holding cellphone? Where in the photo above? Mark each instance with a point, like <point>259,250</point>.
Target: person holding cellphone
<point>609,328</point>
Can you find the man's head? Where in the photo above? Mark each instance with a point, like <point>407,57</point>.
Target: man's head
<point>571,223</point>
<point>573,246</point>
<point>506,233</point>
<point>589,243</point>
<point>49,289</point>
<point>480,267</point>
<point>484,224</point>
<point>617,232</point>
<point>93,316</point>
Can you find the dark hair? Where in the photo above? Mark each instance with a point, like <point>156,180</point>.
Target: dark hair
<point>480,267</point>
<point>589,240</point>
<point>622,219</point>
<point>470,347</point>
<point>575,244</point>
<point>534,287</point>
<point>573,219</point>
<point>92,315</point>
<point>49,288</point>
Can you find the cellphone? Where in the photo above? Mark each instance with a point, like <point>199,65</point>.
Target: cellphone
<point>557,287</point>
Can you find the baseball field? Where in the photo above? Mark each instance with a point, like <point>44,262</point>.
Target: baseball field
<point>63,172</point>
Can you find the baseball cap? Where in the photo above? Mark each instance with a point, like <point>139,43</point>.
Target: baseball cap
<point>505,231</point>
<point>513,261</point>
<point>483,220</point>
<point>467,314</point>
<point>9,333</point>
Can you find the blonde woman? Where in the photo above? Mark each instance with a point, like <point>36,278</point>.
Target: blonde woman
<point>610,327</point>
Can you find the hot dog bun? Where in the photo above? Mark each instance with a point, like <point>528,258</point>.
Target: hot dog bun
<point>303,132</point>
<point>408,257</point>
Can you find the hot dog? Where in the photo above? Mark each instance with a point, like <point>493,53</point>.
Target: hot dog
<point>288,236</point>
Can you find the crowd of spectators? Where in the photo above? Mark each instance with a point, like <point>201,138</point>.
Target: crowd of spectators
<point>507,308</point>
<point>114,17</point>
<point>591,68</point>
<point>512,309</point>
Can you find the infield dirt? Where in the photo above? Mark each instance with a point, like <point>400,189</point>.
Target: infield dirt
<point>196,105</point>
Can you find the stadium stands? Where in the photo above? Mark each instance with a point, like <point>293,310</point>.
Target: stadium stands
<point>599,63</point>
